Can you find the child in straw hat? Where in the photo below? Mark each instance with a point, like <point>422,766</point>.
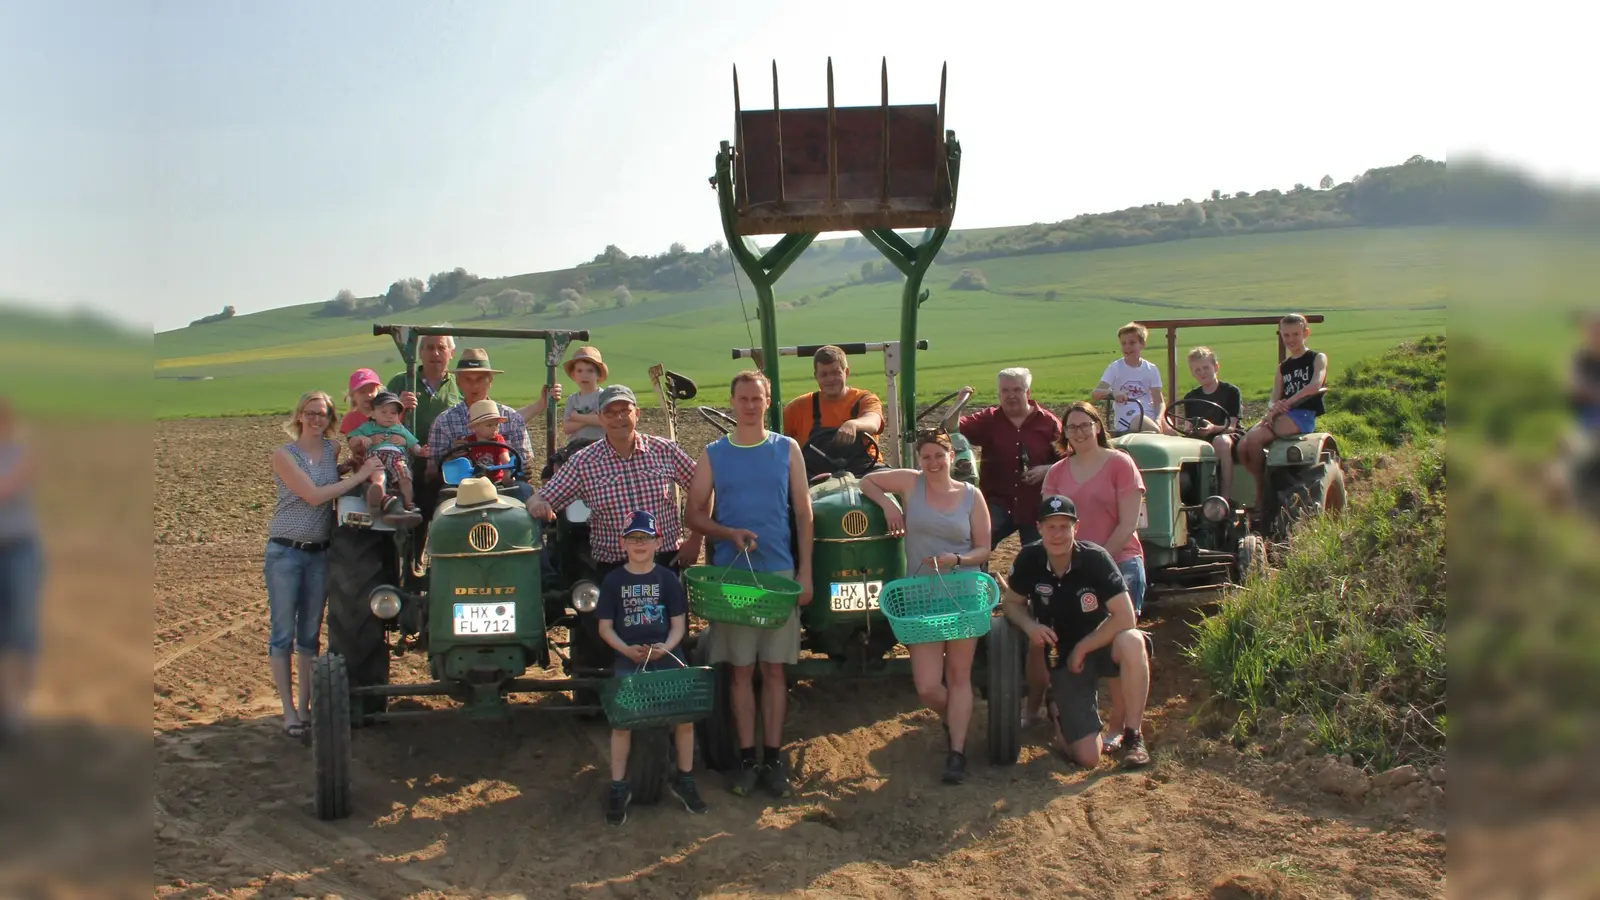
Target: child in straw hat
<point>581,421</point>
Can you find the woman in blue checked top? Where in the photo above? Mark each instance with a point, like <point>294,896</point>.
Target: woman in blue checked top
<point>306,472</point>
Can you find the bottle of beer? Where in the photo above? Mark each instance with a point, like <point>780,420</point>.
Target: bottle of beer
<point>1023,463</point>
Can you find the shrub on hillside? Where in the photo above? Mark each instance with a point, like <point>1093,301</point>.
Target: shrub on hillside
<point>969,280</point>
<point>1347,638</point>
<point>1396,399</point>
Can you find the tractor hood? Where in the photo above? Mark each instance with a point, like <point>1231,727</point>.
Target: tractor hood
<point>1157,452</point>
<point>841,512</point>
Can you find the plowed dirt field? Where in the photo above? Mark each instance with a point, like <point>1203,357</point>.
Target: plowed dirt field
<point>452,808</point>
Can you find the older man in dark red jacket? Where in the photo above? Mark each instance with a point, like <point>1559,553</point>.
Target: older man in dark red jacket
<point>1016,441</point>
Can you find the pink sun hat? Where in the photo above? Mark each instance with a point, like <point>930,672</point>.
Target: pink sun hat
<point>360,378</point>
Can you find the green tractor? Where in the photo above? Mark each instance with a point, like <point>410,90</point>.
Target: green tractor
<point>1195,539</point>
<point>483,590</point>
<point>871,169</point>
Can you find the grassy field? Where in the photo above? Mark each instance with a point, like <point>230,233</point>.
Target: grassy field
<point>1376,286</point>
<point>66,367</point>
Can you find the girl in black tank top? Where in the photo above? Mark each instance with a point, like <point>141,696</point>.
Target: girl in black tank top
<point>1297,373</point>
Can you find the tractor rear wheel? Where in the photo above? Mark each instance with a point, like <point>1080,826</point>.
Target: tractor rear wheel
<point>716,735</point>
<point>358,561</point>
<point>1004,651</point>
<point>649,755</point>
<point>330,736</point>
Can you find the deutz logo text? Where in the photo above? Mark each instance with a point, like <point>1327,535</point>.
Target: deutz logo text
<point>492,591</point>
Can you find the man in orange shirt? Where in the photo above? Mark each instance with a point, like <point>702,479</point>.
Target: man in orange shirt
<point>833,418</point>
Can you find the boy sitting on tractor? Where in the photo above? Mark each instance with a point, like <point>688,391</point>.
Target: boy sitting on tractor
<point>1203,365</point>
<point>1133,382</point>
<point>643,614</point>
<point>1296,400</point>
<point>384,438</point>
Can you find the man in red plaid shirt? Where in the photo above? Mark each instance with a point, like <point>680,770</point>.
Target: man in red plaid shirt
<point>625,472</point>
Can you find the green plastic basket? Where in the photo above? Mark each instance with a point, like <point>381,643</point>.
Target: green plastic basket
<point>925,609</point>
<point>723,594</point>
<point>651,699</point>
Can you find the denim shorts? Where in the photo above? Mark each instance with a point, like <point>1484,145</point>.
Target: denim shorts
<point>297,595</point>
<point>1303,419</point>
<point>21,574</point>
<point>1133,575</point>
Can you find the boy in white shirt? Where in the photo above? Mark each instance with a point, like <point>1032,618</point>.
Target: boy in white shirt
<point>1129,379</point>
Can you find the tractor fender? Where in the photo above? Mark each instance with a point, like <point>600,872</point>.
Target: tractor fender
<point>1300,450</point>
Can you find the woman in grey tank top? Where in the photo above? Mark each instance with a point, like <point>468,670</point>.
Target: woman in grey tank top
<point>306,472</point>
<point>946,528</point>
<point>21,571</point>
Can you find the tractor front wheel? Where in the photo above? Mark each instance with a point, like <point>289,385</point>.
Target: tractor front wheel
<point>1004,650</point>
<point>330,735</point>
<point>360,560</point>
<point>1250,559</point>
<point>649,754</point>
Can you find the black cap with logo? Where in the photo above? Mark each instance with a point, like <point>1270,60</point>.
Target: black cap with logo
<point>1057,505</point>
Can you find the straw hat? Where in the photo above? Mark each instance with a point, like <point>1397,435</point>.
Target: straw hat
<point>484,410</point>
<point>589,354</point>
<point>475,359</point>
<point>476,492</point>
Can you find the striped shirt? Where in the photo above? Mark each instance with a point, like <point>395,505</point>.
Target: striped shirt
<point>613,488</point>
<point>452,424</point>
<point>294,518</point>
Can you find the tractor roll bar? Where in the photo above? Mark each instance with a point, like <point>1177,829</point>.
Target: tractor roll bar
<point>807,350</point>
<point>1171,326</point>
<point>406,338</point>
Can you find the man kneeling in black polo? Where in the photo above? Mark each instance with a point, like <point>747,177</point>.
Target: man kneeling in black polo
<point>1068,593</point>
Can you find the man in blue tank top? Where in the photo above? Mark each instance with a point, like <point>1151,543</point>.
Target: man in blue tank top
<point>755,480</point>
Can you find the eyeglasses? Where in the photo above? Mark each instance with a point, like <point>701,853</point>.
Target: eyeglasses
<point>316,414</point>
<point>1081,427</point>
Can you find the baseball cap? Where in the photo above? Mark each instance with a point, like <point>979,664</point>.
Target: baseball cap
<point>360,378</point>
<point>617,392</point>
<point>641,523</point>
<point>1057,505</point>
<point>384,398</point>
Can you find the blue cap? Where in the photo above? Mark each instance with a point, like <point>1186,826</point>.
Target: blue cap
<point>641,523</point>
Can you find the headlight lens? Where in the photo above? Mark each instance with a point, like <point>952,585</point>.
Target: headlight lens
<point>577,512</point>
<point>385,602</point>
<point>585,596</point>
<point>1215,508</point>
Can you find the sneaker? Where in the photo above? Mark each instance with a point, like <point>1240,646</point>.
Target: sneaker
<point>955,767</point>
<point>683,788</point>
<point>1136,755</point>
<point>1111,744</point>
<point>745,783</point>
<point>776,780</point>
<point>617,803</point>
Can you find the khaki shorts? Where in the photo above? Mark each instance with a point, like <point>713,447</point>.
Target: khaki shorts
<point>746,645</point>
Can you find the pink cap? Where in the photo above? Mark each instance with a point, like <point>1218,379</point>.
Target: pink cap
<point>360,378</point>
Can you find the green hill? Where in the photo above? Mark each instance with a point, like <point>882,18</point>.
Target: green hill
<point>1055,312</point>
<point>71,365</point>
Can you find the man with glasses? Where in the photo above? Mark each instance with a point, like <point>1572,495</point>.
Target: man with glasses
<point>627,471</point>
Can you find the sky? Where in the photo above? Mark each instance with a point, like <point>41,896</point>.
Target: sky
<point>159,160</point>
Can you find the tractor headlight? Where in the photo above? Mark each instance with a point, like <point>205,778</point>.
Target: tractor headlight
<point>585,596</point>
<point>1215,508</point>
<point>1293,454</point>
<point>577,512</point>
<point>385,602</point>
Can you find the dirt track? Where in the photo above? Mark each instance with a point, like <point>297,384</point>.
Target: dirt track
<point>452,808</point>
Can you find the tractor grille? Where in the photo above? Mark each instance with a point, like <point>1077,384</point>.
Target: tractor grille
<point>854,523</point>
<point>483,537</point>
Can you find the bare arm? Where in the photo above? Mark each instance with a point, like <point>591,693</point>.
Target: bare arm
<point>697,508</point>
<point>680,625</point>
<point>1319,377</point>
<point>1120,619</point>
<point>1015,607</point>
<point>300,483</point>
<point>877,487</point>
<point>1101,390</point>
<point>800,500</point>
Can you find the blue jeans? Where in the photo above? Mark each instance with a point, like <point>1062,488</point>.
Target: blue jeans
<point>1133,575</point>
<point>297,595</point>
<point>1303,419</point>
<point>1002,525</point>
<point>21,573</point>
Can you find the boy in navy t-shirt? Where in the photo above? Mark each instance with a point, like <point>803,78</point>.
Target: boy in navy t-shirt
<point>643,614</point>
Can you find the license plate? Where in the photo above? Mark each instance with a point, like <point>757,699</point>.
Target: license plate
<point>477,619</point>
<point>854,596</point>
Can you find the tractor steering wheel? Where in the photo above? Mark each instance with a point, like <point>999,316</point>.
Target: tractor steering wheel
<point>1192,426</point>
<point>517,466</point>
<point>835,464</point>
<point>1111,420</point>
<point>944,421</point>
<point>716,418</point>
